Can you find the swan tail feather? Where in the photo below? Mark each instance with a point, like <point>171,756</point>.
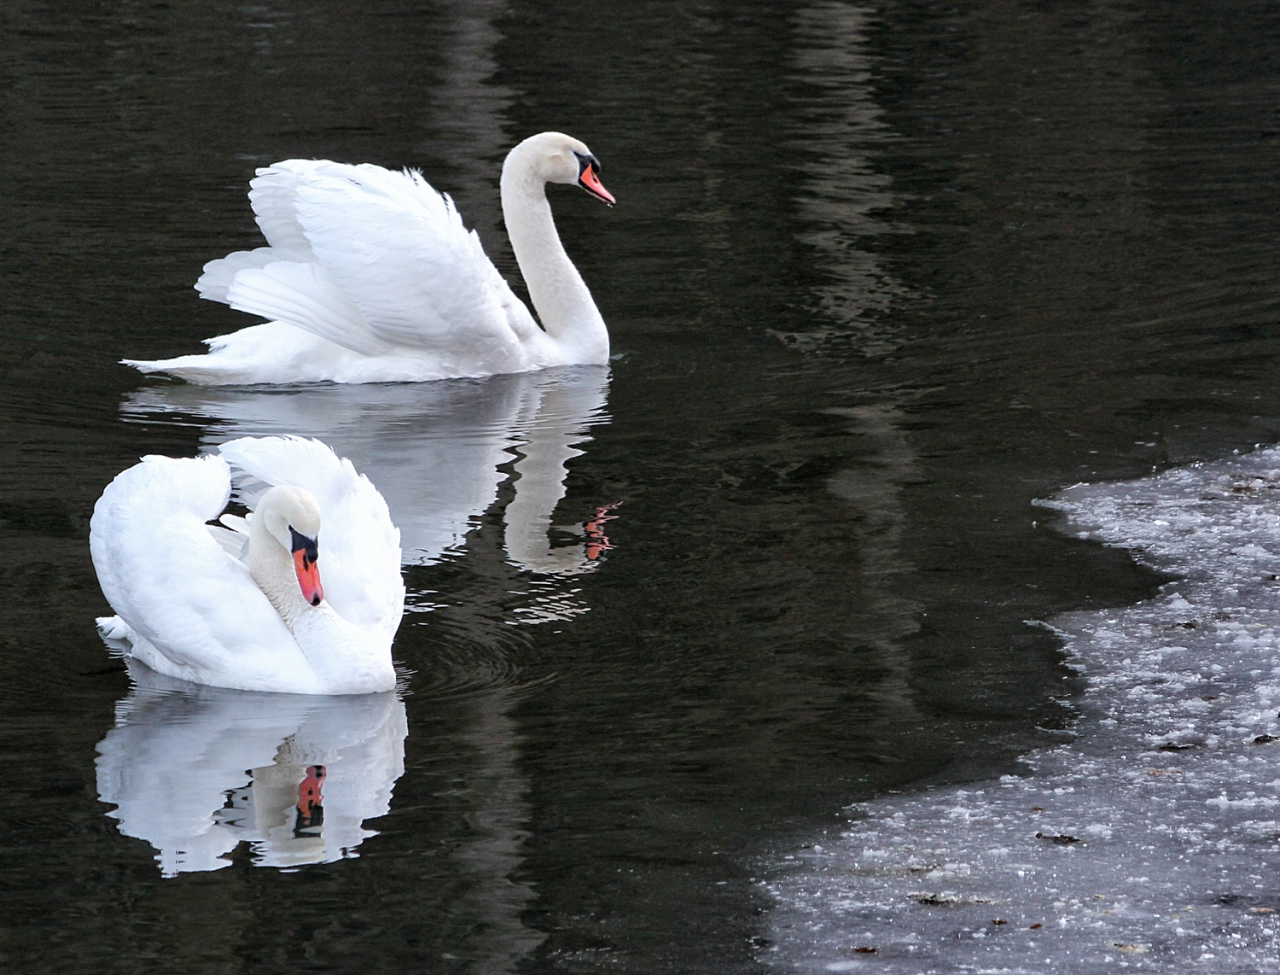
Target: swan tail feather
<point>116,633</point>
<point>273,352</point>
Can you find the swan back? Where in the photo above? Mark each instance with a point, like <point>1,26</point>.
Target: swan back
<point>171,582</point>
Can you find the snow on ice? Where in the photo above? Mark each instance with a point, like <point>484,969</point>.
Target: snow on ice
<point>1151,841</point>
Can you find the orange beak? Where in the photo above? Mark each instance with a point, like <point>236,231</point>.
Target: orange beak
<point>310,800</point>
<point>590,182</point>
<point>308,577</point>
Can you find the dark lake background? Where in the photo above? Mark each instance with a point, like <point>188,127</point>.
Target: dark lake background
<point>878,277</point>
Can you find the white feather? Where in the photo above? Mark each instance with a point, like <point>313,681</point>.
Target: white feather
<point>360,547</point>
<point>218,275</point>
<point>233,543</point>
<point>186,603</point>
<point>304,295</point>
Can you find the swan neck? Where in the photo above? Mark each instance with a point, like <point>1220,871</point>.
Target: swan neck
<point>343,659</point>
<point>561,298</point>
<point>273,570</point>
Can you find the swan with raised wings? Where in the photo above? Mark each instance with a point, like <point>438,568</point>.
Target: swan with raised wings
<point>242,605</point>
<point>370,276</point>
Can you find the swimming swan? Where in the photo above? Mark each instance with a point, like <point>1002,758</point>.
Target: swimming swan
<point>243,606</point>
<point>370,276</point>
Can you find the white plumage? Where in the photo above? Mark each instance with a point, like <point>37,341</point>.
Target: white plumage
<point>371,276</point>
<point>186,603</point>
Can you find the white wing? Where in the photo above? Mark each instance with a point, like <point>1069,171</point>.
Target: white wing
<point>233,542</point>
<point>399,249</point>
<point>171,581</point>
<point>359,546</point>
<point>305,295</point>
<point>367,258</point>
<point>273,206</point>
<point>218,275</point>
<point>274,198</point>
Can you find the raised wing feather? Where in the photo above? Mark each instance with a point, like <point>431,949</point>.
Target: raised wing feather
<point>218,275</point>
<point>167,577</point>
<point>371,260</point>
<point>273,196</point>
<point>233,543</point>
<point>359,546</point>
<point>399,249</point>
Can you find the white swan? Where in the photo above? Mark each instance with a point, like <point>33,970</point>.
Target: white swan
<point>370,276</point>
<point>243,606</point>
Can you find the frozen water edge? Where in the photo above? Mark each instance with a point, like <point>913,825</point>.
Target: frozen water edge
<point>1151,841</point>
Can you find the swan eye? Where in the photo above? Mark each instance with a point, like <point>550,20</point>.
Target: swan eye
<point>587,160</point>
<point>307,547</point>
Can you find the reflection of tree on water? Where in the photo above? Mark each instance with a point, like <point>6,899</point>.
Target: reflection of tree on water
<point>466,112</point>
<point>836,125</point>
<point>872,488</point>
<point>469,111</point>
<point>197,770</point>
<point>497,827</point>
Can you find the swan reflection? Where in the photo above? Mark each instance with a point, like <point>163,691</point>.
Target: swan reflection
<point>438,452</point>
<point>197,770</point>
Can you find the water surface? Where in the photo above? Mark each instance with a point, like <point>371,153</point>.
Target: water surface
<point>879,277</point>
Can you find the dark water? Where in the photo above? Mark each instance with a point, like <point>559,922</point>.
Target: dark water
<point>879,277</point>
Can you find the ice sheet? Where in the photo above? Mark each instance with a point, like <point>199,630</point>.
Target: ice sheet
<point>1149,841</point>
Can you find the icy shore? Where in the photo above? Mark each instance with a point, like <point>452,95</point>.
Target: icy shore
<point>1151,840</point>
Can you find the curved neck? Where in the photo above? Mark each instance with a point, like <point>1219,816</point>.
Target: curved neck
<point>560,297</point>
<point>344,659</point>
<point>273,570</point>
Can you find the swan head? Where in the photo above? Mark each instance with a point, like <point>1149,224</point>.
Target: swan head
<point>554,157</point>
<point>292,517</point>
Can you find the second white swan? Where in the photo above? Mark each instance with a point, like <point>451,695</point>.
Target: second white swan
<point>242,606</point>
<point>370,276</point>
